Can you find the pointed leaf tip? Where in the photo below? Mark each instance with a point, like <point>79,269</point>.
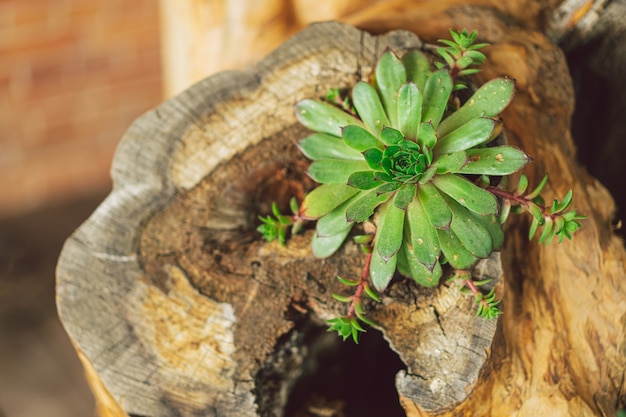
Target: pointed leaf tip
<point>498,160</point>
<point>381,271</point>
<point>389,231</point>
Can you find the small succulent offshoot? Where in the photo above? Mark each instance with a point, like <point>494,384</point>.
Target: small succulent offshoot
<point>401,152</point>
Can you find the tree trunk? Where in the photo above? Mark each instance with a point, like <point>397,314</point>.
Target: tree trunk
<point>177,307</point>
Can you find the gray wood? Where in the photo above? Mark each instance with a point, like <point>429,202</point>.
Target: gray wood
<point>169,336</point>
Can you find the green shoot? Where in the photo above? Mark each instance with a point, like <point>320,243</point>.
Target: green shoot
<point>276,227</point>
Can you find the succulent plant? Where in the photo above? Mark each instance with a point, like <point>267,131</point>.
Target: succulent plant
<point>405,156</point>
<point>401,153</point>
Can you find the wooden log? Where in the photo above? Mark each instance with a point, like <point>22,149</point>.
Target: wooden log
<point>170,294</point>
<point>143,311</point>
<point>561,350</point>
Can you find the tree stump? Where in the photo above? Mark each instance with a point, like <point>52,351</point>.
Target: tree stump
<point>177,307</point>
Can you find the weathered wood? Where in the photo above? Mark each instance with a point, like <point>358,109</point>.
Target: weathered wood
<point>126,290</point>
<point>597,58</point>
<point>562,348</point>
<point>178,305</point>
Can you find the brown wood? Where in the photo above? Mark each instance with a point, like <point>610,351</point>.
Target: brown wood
<point>179,309</point>
<point>177,304</point>
<point>561,351</point>
<point>202,37</point>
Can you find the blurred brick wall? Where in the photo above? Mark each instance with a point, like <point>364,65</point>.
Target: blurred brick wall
<point>73,75</point>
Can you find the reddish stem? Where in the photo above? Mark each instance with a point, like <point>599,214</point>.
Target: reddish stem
<point>470,284</point>
<point>522,201</point>
<point>342,103</point>
<point>361,287</point>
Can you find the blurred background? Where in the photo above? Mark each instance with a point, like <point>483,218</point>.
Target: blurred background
<point>74,74</point>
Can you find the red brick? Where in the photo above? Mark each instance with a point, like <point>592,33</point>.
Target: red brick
<point>21,42</point>
<point>78,9</point>
<point>31,11</point>
<point>73,77</point>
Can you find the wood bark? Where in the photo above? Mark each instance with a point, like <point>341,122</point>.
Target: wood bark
<point>178,309</point>
<point>562,347</point>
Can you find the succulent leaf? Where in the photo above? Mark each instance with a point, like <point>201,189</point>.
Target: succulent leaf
<point>404,196</point>
<point>498,160</point>
<point>333,171</point>
<point>373,157</point>
<point>546,233</point>
<point>437,211</point>
<point>389,230</point>
<point>325,198</point>
<point>417,68</point>
<point>360,139</point>
<point>388,187</point>
<point>324,146</point>
<point>473,133</point>
<point>467,194</point>
<point>364,180</point>
<point>452,162</point>
<point>324,246</point>
<point>534,224</point>
<point>370,109</point>
<point>455,252</point>
<point>420,235</point>
<point>472,234</point>
<point>390,136</point>
<point>426,136</point>
<point>488,101</point>
<point>381,270</point>
<point>538,189</point>
<point>347,282</point>
<point>324,117</point>
<point>436,94</point>
<point>390,76</point>
<point>409,110</point>
<point>522,185</point>
<point>468,71</point>
<point>394,185</point>
<point>428,174</point>
<point>335,221</point>
<point>409,266</point>
<point>363,206</point>
<point>565,203</point>
<point>494,227</point>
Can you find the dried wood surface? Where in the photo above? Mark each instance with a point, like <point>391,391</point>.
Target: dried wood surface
<point>168,262</point>
<point>562,350</point>
<point>169,293</point>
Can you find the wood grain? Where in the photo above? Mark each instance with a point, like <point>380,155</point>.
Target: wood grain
<point>174,244</point>
<point>178,306</point>
<point>563,341</point>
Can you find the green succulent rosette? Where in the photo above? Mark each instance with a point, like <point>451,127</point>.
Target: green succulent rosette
<point>403,157</point>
